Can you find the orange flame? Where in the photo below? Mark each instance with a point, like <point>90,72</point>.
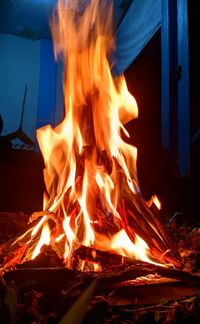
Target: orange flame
<point>157,202</point>
<point>154,200</point>
<point>86,160</point>
<point>44,239</point>
<point>96,107</point>
<point>125,247</point>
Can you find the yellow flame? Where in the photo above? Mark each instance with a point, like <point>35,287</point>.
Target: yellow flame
<point>97,267</point>
<point>44,239</point>
<point>157,202</point>
<point>154,200</point>
<point>38,226</point>
<point>125,247</point>
<point>70,236</point>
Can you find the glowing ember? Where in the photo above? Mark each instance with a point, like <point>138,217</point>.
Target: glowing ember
<point>92,194</point>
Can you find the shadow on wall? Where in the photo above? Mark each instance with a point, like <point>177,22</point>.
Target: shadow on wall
<point>157,170</point>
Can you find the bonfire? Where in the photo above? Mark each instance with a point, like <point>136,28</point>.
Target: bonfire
<point>92,197</point>
<point>95,222</point>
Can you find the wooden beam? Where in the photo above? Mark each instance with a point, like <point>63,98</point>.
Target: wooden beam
<point>175,114</point>
<point>183,90</point>
<point>169,80</point>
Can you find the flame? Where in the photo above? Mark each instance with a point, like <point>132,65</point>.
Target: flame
<point>70,237</point>
<point>157,202</point>
<point>96,106</point>
<point>38,226</point>
<point>87,163</point>
<point>124,246</point>
<point>44,239</point>
<point>97,267</point>
<point>154,200</point>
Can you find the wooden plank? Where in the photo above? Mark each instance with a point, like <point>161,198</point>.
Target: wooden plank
<point>169,78</point>
<point>183,90</point>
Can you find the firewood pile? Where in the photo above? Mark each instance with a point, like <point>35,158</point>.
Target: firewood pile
<point>123,290</point>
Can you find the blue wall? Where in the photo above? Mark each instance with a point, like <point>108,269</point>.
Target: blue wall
<point>24,61</point>
<point>19,65</point>
<point>47,85</point>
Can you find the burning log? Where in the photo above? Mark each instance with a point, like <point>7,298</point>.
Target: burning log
<point>115,278</point>
<point>131,283</point>
<point>47,258</point>
<point>122,286</point>
<point>103,258</point>
<point>121,300</point>
<point>116,269</point>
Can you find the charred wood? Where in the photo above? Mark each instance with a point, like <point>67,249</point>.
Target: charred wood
<point>152,294</point>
